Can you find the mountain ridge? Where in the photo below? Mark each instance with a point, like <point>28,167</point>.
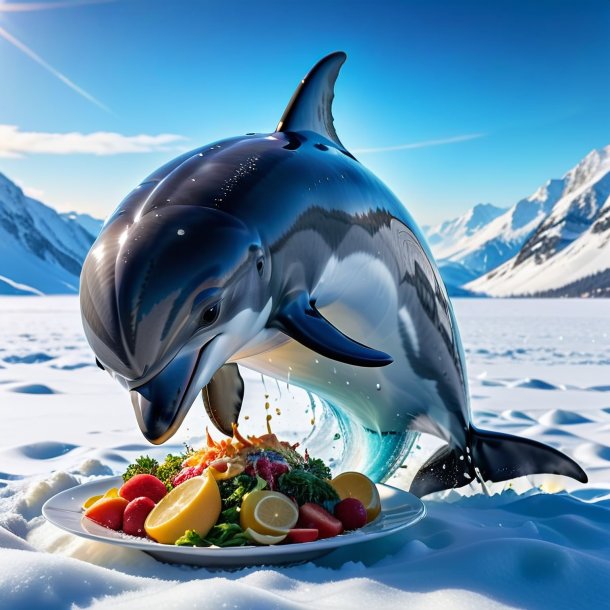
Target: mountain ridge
<point>557,236</point>
<point>41,251</point>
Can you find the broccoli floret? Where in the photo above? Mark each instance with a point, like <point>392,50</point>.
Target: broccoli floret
<point>191,538</point>
<point>143,465</point>
<point>169,469</point>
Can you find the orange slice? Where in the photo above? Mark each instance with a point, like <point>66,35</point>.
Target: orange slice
<point>111,493</point>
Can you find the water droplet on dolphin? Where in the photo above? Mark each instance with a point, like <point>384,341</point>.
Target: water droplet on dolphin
<point>378,386</point>
<point>317,361</point>
<point>180,231</point>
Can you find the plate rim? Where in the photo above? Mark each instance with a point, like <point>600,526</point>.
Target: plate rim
<point>242,552</point>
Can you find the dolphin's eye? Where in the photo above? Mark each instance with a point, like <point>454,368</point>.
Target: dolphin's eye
<point>210,315</point>
<point>260,265</point>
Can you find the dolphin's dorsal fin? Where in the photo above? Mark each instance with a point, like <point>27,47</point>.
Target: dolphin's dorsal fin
<point>310,108</point>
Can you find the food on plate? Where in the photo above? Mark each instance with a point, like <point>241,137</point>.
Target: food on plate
<point>264,538</point>
<point>356,485</point>
<point>301,534</point>
<point>194,505</point>
<point>108,512</point>
<point>352,513</point>
<point>135,515</point>
<point>111,493</point>
<point>268,512</point>
<point>314,516</point>
<point>143,485</point>
<point>235,492</point>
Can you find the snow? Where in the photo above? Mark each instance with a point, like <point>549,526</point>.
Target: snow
<point>536,368</point>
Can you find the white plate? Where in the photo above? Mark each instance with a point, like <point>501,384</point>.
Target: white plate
<point>400,509</point>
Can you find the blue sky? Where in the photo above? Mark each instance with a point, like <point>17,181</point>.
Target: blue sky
<point>489,98</point>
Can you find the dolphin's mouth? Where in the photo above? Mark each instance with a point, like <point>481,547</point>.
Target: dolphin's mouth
<point>161,404</point>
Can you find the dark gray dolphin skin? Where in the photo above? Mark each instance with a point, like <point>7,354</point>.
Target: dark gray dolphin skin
<point>282,253</point>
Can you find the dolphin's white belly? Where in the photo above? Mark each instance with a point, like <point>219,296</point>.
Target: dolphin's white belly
<point>359,296</point>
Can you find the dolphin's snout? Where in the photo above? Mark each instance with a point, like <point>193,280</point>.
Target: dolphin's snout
<point>162,402</point>
<point>154,423</point>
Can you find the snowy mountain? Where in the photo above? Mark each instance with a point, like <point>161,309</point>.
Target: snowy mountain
<point>447,241</point>
<point>553,242</point>
<point>445,237</point>
<point>492,243</point>
<point>568,253</point>
<point>41,251</point>
<point>89,223</point>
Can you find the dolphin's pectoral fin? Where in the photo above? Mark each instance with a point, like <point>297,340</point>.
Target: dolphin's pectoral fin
<point>223,396</point>
<point>310,108</point>
<point>493,456</point>
<point>299,319</point>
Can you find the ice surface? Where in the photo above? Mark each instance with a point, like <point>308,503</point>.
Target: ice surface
<point>536,368</point>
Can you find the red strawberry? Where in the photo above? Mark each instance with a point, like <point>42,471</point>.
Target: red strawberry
<point>313,516</point>
<point>143,485</point>
<point>108,512</point>
<point>135,514</point>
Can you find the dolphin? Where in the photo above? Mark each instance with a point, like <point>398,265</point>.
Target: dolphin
<point>280,252</point>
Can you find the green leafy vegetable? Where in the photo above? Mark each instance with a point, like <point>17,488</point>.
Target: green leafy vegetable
<point>232,491</point>
<point>143,465</point>
<point>318,468</point>
<point>169,469</point>
<point>229,515</point>
<point>305,487</point>
<point>223,534</point>
<point>191,538</point>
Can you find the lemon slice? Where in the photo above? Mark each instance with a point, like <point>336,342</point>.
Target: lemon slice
<point>193,505</point>
<point>262,538</point>
<point>356,485</point>
<point>111,493</point>
<point>268,512</point>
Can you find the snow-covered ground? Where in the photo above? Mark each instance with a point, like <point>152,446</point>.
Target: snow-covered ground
<point>537,368</point>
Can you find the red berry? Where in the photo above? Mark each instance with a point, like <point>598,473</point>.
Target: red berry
<point>313,516</point>
<point>351,512</point>
<point>143,485</point>
<point>108,512</point>
<point>135,514</point>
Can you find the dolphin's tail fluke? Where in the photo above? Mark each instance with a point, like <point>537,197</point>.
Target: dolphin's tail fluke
<point>491,456</point>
